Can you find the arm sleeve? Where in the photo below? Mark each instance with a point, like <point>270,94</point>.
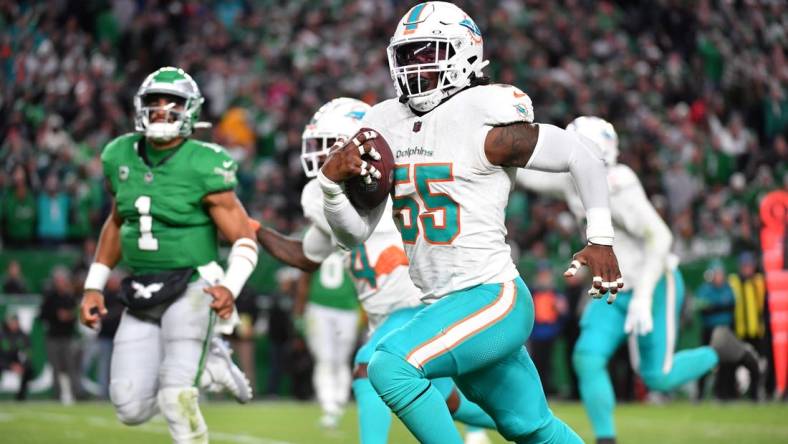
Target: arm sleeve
<point>312,204</point>
<point>551,184</point>
<point>317,244</point>
<point>350,226</point>
<point>637,216</point>
<point>558,150</point>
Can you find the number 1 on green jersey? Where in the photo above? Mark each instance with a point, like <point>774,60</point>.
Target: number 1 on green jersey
<point>146,241</point>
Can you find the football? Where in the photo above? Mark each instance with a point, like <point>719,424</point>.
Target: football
<point>366,196</point>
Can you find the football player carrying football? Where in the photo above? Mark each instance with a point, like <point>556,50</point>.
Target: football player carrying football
<point>171,194</point>
<point>457,143</point>
<point>649,309</point>
<point>378,266</point>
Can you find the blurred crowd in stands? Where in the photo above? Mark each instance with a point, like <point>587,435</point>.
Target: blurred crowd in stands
<point>698,92</point>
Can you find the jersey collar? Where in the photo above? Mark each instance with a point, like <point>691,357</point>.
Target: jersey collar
<point>142,150</point>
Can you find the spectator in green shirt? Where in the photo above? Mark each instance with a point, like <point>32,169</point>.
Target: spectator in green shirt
<point>19,211</point>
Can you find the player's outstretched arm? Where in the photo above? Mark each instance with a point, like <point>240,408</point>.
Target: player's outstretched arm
<point>350,226</point>
<point>232,221</point>
<point>548,148</point>
<point>551,184</point>
<point>92,308</point>
<point>286,249</point>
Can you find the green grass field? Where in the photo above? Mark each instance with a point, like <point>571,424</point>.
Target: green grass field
<point>296,423</point>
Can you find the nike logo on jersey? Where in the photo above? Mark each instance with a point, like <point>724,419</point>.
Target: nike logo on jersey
<point>227,164</point>
<point>518,95</point>
<point>145,291</point>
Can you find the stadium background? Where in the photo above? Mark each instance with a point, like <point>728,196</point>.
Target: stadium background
<point>696,90</point>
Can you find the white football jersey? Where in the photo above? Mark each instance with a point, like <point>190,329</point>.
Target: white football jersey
<point>449,200</point>
<point>379,266</point>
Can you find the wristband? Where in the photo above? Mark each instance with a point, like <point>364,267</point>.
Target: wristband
<point>599,230</point>
<point>97,277</point>
<point>333,193</point>
<point>240,265</point>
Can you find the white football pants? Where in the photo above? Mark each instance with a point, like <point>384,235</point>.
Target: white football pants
<point>331,336</point>
<point>157,357</point>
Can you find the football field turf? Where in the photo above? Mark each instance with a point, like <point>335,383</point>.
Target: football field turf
<point>296,423</point>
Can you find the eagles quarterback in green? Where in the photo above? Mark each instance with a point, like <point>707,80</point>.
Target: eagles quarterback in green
<point>171,194</point>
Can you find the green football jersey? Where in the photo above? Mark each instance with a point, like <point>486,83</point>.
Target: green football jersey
<point>165,224</point>
<point>331,286</point>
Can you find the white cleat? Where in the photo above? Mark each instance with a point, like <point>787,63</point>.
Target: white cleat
<point>222,373</point>
<point>330,421</point>
<point>477,437</point>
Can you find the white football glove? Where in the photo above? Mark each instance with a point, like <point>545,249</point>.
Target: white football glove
<point>639,320</point>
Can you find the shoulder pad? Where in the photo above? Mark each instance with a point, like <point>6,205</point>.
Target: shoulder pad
<point>209,149</point>
<point>214,165</point>
<point>208,155</point>
<point>380,114</point>
<point>620,176</point>
<point>500,104</point>
<point>119,144</point>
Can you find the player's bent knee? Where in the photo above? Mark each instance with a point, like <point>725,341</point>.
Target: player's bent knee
<point>656,380</point>
<point>514,427</point>
<point>130,408</point>
<point>396,381</point>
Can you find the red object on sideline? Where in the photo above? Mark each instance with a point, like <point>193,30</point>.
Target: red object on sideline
<point>774,215</point>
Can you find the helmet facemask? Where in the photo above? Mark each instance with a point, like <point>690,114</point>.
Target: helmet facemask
<point>425,71</point>
<point>314,151</point>
<point>435,52</point>
<point>163,122</point>
<point>167,105</point>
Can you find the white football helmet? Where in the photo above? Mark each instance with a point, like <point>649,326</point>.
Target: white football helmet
<point>601,132</point>
<point>339,118</point>
<point>168,82</point>
<point>435,38</point>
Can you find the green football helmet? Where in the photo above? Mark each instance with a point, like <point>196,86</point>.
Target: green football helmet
<point>172,83</point>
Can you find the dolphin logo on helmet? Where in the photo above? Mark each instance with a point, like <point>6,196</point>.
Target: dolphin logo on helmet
<point>337,119</point>
<point>601,132</point>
